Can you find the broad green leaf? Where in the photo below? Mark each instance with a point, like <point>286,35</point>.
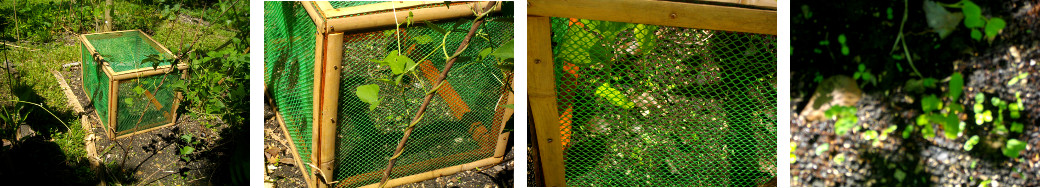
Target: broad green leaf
<point>841,39</point>
<point>899,175</point>
<point>576,45</point>
<point>614,96</point>
<point>505,51</point>
<point>187,150</point>
<point>972,15</point>
<point>369,94</point>
<point>930,103</point>
<point>971,143</point>
<point>956,86</point>
<point>484,53</point>
<point>976,34</point>
<point>129,101</point>
<point>646,37</point>
<point>423,39</point>
<point>138,90</point>
<point>1013,147</point>
<point>993,27</point>
<point>435,27</point>
<point>951,126</point>
<point>1016,127</point>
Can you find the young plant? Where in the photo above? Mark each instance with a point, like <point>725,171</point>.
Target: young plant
<point>971,143</point>
<point>846,116</point>
<point>865,75</point>
<point>189,146</point>
<point>1013,148</point>
<point>978,24</point>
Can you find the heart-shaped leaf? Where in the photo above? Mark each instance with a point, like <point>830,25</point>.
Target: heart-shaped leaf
<point>369,94</point>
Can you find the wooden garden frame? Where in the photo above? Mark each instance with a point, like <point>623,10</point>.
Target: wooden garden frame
<point>730,16</point>
<point>332,24</point>
<point>117,77</point>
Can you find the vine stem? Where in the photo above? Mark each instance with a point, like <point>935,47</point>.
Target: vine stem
<point>429,96</point>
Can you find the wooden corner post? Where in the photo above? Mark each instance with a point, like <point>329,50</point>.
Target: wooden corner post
<point>333,56</point>
<point>542,98</point>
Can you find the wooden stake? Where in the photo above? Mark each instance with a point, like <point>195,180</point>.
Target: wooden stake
<point>542,98</point>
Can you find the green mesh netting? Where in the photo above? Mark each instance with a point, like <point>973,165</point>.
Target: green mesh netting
<point>95,84</point>
<point>139,105</point>
<point>289,43</point>
<point>645,105</point>
<point>461,124</point>
<point>145,102</point>
<point>125,50</point>
<point>342,4</point>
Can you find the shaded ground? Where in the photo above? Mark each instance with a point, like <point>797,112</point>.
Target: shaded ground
<point>286,174</point>
<point>154,157</point>
<point>913,160</point>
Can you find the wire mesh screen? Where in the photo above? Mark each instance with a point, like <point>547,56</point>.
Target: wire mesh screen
<point>462,122</point>
<point>344,4</point>
<point>645,105</point>
<point>289,36</point>
<point>145,102</point>
<point>95,84</point>
<point>125,50</point>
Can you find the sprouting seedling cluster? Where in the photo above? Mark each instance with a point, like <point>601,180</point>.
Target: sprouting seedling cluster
<point>936,112</point>
<point>846,116</point>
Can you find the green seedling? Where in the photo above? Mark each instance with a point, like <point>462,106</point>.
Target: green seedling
<point>840,158</point>
<point>865,75</point>
<point>869,135</point>
<point>1015,80</point>
<point>822,148</point>
<point>889,130</point>
<point>971,143</point>
<point>1013,147</point>
<point>846,116</point>
<point>956,86</point>
<point>844,48</point>
<point>979,99</point>
<point>930,103</point>
<point>978,24</point>
<point>794,157</point>
<point>1016,127</point>
<point>899,175</point>
<point>906,132</point>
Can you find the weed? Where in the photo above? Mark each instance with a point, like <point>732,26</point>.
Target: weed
<point>846,116</point>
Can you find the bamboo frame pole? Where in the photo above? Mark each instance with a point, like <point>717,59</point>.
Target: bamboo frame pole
<point>377,7</point>
<point>438,173</point>
<point>769,4</point>
<point>316,107</point>
<point>542,97</point>
<point>387,19</point>
<point>329,105</point>
<point>148,71</point>
<point>112,105</point>
<point>318,19</point>
<point>666,13</point>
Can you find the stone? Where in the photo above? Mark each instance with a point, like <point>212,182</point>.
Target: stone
<point>836,90</point>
